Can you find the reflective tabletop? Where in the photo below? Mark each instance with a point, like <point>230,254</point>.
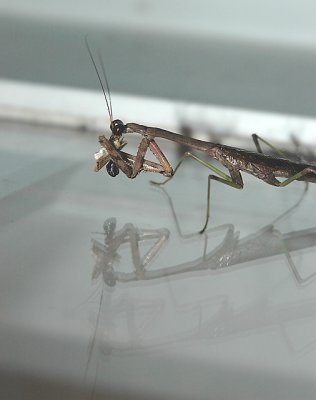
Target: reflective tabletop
<point>106,289</point>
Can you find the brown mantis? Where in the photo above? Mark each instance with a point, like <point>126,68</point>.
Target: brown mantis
<point>265,167</point>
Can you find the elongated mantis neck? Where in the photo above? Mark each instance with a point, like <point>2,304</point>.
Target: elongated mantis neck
<point>152,133</point>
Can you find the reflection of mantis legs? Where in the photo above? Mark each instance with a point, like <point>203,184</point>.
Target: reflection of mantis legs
<point>293,241</point>
<point>233,250</point>
<point>107,253</point>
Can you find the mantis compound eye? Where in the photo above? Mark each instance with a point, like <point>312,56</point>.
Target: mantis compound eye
<point>117,127</point>
<point>112,169</point>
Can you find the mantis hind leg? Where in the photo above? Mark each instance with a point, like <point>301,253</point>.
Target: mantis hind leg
<point>298,176</point>
<point>234,180</point>
<point>256,139</point>
<point>272,180</point>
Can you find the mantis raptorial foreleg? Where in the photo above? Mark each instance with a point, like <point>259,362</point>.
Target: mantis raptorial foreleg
<point>115,155</point>
<point>131,165</point>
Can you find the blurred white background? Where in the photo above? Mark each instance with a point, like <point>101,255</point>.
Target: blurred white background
<point>250,54</point>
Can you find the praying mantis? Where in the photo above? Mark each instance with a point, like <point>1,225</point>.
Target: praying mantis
<point>268,168</point>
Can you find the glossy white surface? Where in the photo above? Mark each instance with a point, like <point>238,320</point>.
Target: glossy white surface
<point>223,315</point>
